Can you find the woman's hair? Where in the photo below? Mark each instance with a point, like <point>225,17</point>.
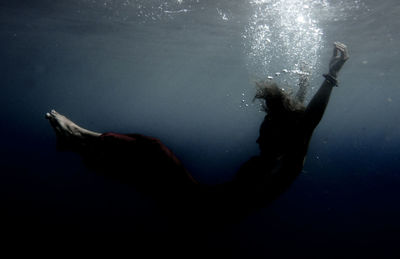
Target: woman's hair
<point>276,101</point>
<point>283,114</point>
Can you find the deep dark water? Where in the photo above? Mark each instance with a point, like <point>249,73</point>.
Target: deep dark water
<point>180,77</point>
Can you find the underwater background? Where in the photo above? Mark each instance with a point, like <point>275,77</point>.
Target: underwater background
<point>184,71</point>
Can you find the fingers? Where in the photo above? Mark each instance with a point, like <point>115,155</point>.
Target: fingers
<point>335,51</point>
<point>340,50</point>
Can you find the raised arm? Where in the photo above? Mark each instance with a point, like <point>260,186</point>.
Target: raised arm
<point>316,108</point>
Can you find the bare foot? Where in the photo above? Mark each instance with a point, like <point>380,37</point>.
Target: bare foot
<point>63,126</point>
<point>69,135</point>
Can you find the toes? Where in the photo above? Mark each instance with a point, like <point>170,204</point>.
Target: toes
<point>54,113</point>
<point>51,114</point>
<point>55,124</point>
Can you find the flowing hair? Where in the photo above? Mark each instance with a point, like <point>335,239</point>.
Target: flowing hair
<point>283,112</point>
<point>276,101</point>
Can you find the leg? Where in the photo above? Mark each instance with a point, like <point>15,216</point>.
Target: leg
<point>68,133</point>
<point>122,152</point>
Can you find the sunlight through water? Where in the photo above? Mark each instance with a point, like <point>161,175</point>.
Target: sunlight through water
<point>282,37</point>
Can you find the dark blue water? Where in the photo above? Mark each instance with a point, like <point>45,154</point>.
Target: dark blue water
<point>184,71</point>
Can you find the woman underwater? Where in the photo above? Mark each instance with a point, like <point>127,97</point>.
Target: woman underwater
<point>152,167</point>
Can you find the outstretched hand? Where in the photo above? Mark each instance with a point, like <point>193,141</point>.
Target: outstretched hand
<point>339,57</point>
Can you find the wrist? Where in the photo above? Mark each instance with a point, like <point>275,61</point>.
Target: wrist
<point>331,79</point>
<point>333,73</point>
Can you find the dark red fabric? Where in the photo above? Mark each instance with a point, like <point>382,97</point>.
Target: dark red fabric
<point>145,158</point>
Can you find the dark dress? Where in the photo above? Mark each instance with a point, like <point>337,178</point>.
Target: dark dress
<point>153,168</point>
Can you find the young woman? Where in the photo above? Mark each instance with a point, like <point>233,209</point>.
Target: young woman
<point>152,167</point>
